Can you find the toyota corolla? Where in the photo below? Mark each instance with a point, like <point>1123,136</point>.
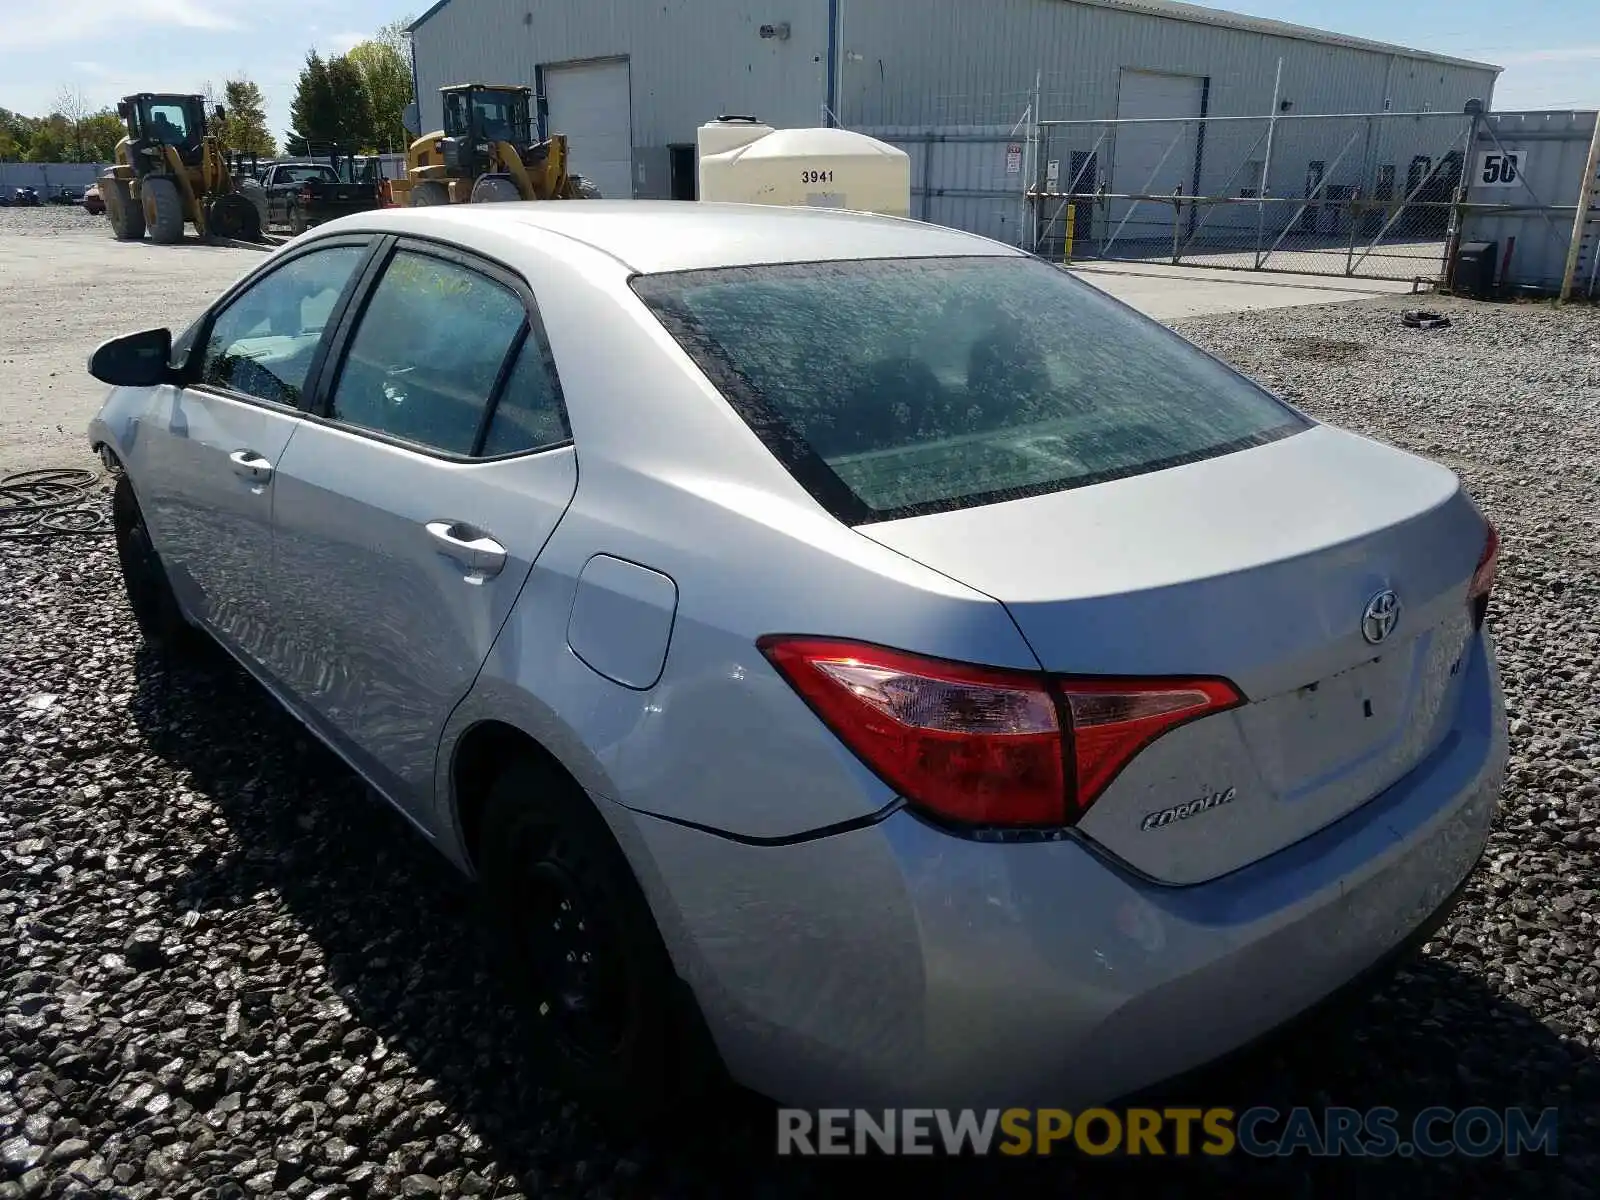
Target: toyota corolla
<point>849,653</point>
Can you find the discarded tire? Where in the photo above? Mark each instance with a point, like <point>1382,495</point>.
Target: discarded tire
<point>1424,320</point>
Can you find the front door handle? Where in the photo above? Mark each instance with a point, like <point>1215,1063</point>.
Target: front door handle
<point>483,557</point>
<point>247,464</point>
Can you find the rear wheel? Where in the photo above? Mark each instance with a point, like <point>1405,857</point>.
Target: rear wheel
<point>494,189</point>
<point>582,946</point>
<point>163,208</point>
<point>428,193</point>
<point>127,218</point>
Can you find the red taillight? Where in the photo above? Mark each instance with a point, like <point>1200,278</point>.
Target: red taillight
<point>982,745</point>
<point>1112,720</point>
<point>1483,578</point>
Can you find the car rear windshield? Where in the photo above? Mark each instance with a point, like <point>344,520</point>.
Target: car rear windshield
<point>893,388</point>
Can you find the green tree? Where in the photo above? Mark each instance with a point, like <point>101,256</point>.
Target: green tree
<point>16,131</point>
<point>100,133</point>
<point>314,111</point>
<point>352,105</point>
<point>246,115</point>
<point>52,141</point>
<point>384,61</point>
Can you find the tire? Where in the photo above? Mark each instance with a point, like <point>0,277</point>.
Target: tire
<point>428,193</point>
<point>583,189</point>
<point>494,189</point>
<point>155,608</point>
<point>163,209</point>
<point>582,948</point>
<point>127,218</point>
<point>231,215</point>
<point>257,195</point>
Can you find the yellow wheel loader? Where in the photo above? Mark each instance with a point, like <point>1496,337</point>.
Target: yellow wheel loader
<point>169,172</point>
<point>488,150</point>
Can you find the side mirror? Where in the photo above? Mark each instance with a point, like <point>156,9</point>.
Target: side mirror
<point>134,360</point>
<point>217,114</point>
<point>124,109</point>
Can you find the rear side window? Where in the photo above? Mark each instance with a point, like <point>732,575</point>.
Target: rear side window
<point>429,351</point>
<point>894,388</point>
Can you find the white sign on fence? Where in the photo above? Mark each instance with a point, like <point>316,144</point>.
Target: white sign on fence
<point>1014,159</point>
<point>1500,168</point>
<point>1053,174</point>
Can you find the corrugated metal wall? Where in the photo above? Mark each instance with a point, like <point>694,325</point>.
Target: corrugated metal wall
<point>48,177</point>
<point>1554,148</point>
<point>934,66</point>
<point>961,62</point>
<point>690,60</point>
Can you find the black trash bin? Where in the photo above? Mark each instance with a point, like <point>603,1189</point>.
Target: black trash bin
<point>1474,270</point>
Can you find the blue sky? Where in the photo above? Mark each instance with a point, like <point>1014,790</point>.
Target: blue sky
<point>107,48</point>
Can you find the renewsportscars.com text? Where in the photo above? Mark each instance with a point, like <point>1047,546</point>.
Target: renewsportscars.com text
<point>1260,1132</point>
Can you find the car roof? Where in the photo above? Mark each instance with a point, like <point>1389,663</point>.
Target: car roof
<point>653,236</point>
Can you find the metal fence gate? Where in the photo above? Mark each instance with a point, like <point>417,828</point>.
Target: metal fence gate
<point>1371,194</point>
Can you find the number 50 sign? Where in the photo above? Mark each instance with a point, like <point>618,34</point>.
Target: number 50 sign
<point>1497,168</point>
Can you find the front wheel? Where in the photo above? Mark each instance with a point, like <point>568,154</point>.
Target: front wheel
<point>155,608</point>
<point>583,189</point>
<point>429,193</point>
<point>127,218</point>
<point>163,209</point>
<point>494,189</point>
<point>582,946</point>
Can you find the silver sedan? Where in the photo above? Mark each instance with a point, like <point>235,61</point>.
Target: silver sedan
<point>853,656</point>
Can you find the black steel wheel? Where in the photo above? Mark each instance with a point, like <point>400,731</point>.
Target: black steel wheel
<point>606,1009</point>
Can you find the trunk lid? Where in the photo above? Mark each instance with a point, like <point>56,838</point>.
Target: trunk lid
<point>1256,567</point>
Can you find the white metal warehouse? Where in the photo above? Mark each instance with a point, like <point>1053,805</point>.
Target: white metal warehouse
<point>629,81</point>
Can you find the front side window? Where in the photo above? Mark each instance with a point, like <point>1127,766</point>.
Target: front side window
<point>263,343</point>
<point>429,351</point>
<point>891,388</point>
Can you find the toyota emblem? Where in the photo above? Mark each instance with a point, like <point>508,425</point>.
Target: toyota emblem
<point>1380,617</point>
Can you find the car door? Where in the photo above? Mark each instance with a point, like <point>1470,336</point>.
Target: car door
<point>411,507</point>
<point>206,460</point>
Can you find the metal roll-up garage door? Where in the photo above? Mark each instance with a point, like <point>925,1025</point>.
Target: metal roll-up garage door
<point>1153,158</point>
<point>591,104</point>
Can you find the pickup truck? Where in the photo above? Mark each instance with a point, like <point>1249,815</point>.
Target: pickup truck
<point>300,195</point>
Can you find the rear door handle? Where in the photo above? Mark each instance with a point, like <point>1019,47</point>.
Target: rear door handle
<point>247,464</point>
<point>483,557</point>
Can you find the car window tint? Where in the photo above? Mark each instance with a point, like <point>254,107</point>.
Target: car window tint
<point>262,344</point>
<point>896,387</point>
<point>424,360</point>
<point>529,413</point>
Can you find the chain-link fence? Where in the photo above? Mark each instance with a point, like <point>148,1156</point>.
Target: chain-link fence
<point>1368,194</point>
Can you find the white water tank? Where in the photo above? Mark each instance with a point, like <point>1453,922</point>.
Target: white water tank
<point>745,162</point>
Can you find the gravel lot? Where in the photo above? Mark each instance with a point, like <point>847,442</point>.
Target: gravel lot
<point>226,972</point>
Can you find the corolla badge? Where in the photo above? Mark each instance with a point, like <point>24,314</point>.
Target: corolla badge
<point>1380,616</point>
<point>1182,812</point>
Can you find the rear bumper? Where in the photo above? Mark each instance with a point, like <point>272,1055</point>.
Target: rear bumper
<point>896,964</point>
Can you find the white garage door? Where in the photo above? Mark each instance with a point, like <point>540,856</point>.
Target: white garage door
<point>1153,158</point>
<point>590,103</point>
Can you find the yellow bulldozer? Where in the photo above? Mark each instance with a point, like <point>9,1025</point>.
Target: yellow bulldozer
<point>170,172</point>
<point>489,149</point>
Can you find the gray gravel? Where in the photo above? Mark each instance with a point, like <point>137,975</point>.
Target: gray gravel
<point>228,973</point>
<point>49,220</point>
